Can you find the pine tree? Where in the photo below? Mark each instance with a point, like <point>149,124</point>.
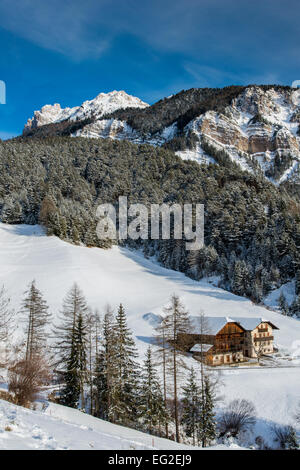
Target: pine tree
<point>206,425</point>
<point>105,369</point>
<point>37,317</point>
<point>124,387</point>
<point>297,282</point>
<point>292,440</point>
<point>71,346</point>
<point>75,374</point>
<point>73,304</point>
<point>282,303</point>
<point>152,410</point>
<point>191,407</point>
<point>295,307</point>
<point>92,335</point>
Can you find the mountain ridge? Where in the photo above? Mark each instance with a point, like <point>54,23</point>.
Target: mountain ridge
<point>255,126</point>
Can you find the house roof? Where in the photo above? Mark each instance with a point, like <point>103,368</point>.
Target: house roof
<point>251,323</point>
<point>197,347</point>
<point>212,325</point>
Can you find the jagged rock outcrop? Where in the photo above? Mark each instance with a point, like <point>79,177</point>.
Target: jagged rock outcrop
<point>104,103</point>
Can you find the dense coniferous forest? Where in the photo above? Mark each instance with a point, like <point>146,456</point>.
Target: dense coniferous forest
<point>252,228</point>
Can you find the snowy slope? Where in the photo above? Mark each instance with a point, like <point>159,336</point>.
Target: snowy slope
<point>114,276</point>
<point>119,275</point>
<point>62,428</point>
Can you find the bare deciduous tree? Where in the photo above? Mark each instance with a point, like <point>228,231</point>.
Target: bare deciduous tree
<point>260,351</point>
<point>177,325</point>
<point>163,357</point>
<point>36,310</point>
<point>240,415</point>
<point>6,320</point>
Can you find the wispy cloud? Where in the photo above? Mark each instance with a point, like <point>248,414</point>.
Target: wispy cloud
<point>215,39</point>
<point>62,26</point>
<point>206,76</point>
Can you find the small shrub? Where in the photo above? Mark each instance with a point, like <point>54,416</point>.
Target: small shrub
<point>286,437</point>
<point>26,378</point>
<point>239,416</point>
<point>7,396</point>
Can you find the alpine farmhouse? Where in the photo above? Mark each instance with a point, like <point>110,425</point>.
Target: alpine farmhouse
<point>227,340</point>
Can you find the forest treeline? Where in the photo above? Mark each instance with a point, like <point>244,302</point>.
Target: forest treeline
<point>252,228</point>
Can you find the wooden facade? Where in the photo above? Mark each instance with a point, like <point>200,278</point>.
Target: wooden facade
<point>232,343</point>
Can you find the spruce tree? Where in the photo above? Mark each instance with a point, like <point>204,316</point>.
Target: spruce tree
<point>75,373</point>
<point>282,303</point>
<point>297,282</point>
<point>71,346</point>
<point>73,304</point>
<point>152,410</point>
<point>124,388</point>
<point>191,407</point>
<point>295,307</point>
<point>206,424</point>
<point>105,369</point>
<point>292,439</point>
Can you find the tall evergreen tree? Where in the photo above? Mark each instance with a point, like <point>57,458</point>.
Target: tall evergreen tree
<point>71,346</point>
<point>124,388</point>
<point>206,425</point>
<point>73,304</point>
<point>75,373</point>
<point>282,303</point>
<point>152,410</point>
<point>105,370</point>
<point>191,407</point>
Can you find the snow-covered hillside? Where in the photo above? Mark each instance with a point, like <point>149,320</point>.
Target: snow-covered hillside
<point>62,428</point>
<point>114,276</point>
<point>119,275</point>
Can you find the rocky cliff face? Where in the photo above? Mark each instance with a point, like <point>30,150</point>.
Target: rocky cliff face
<point>259,130</point>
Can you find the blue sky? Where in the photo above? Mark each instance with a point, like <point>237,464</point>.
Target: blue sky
<point>71,50</point>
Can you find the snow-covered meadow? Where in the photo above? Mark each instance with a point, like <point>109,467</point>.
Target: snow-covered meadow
<point>144,287</point>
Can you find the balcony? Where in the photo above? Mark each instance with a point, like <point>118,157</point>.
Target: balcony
<point>264,338</point>
<point>263,330</point>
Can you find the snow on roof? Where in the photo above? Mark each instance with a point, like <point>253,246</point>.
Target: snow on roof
<point>197,347</point>
<point>251,323</point>
<point>212,325</point>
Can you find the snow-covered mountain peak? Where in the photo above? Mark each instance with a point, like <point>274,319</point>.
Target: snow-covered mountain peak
<point>104,103</point>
